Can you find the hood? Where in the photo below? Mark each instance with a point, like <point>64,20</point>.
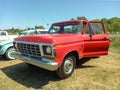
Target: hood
<point>6,42</point>
<point>51,38</point>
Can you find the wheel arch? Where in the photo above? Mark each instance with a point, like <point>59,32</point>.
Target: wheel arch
<point>8,53</point>
<point>74,53</point>
<point>8,48</point>
<point>5,48</point>
<point>62,73</point>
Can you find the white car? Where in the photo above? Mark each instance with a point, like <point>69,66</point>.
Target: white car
<point>3,35</point>
<point>34,31</point>
<point>6,45</point>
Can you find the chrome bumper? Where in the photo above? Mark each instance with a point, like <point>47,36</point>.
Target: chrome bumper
<point>40,62</point>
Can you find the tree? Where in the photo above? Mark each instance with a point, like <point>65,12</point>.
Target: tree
<point>72,19</point>
<point>97,19</point>
<point>116,27</point>
<point>81,18</point>
<point>112,24</point>
<point>39,27</point>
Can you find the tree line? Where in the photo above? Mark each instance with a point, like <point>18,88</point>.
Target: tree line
<point>112,25</point>
<point>17,30</point>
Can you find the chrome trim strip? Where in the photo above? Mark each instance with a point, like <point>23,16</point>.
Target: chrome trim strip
<point>40,62</point>
<point>41,50</point>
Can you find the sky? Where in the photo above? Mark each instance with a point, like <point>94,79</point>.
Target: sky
<point>28,13</point>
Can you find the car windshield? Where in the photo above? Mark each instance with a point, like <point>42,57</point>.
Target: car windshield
<point>75,27</point>
<point>23,34</point>
<point>29,32</point>
<point>33,32</point>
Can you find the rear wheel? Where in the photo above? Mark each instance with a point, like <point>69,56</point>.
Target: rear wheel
<point>9,53</point>
<point>67,67</point>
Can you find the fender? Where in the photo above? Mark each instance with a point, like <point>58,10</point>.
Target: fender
<point>5,45</point>
<point>67,49</point>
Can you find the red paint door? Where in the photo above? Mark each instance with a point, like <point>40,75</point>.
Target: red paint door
<point>96,41</point>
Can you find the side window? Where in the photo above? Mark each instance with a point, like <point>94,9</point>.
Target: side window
<point>97,28</point>
<point>38,32</point>
<point>32,33</point>
<point>75,28</point>
<point>3,33</point>
<point>68,29</point>
<point>55,29</point>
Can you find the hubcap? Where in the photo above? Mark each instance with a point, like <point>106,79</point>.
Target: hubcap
<point>68,66</point>
<point>10,54</point>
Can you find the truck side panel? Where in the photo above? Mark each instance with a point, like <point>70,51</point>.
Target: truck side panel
<point>63,50</point>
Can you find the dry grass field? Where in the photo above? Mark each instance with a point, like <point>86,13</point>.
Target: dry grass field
<point>101,73</point>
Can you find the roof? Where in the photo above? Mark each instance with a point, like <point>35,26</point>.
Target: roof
<point>2,31</point>
<point>70,21</point>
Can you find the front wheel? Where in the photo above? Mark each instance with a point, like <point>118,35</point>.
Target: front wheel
<point>9,53</point>
<point>67,67</point>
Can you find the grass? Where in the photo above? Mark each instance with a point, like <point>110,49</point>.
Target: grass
<point>96,74</point>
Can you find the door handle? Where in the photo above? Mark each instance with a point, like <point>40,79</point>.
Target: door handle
<point>104,38</point>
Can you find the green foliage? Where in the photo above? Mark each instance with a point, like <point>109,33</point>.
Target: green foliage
<point>14,31</point>
<point>115,42</point>
<point>29,28</point>
<point>39,27</point>
<point>79,18</point>
<point>112,24</point>
<point>114,38</point>
<point>17,30</point>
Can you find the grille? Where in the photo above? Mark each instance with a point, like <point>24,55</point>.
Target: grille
<point>29,49</point>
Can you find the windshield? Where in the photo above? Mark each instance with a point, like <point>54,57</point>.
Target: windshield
<point>75,27</point>
<point>22,34</point>
<point>29,32</point>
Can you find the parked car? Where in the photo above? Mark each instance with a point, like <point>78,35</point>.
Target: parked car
<point>6,43</point>
<point>6,49</point>
<point>67,42</point>
<point>32,32</point>
<point>3,35</point>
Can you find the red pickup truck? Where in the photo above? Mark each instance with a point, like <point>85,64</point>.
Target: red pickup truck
<point>65,43</point>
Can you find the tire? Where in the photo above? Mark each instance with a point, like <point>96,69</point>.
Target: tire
<point>9,53</point>
<point>67,67</point>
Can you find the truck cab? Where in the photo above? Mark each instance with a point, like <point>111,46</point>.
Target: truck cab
<point>65,43</point>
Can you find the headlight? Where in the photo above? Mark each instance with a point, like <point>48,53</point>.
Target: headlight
<point>47,50</point>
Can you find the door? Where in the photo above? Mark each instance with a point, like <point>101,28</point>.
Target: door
<point>96,41</point>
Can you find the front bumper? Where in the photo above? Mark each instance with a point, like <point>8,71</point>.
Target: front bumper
<point>40,62</point>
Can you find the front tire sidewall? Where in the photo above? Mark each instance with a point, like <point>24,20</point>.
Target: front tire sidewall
<point>9,53</point>
<point>67,67</point>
